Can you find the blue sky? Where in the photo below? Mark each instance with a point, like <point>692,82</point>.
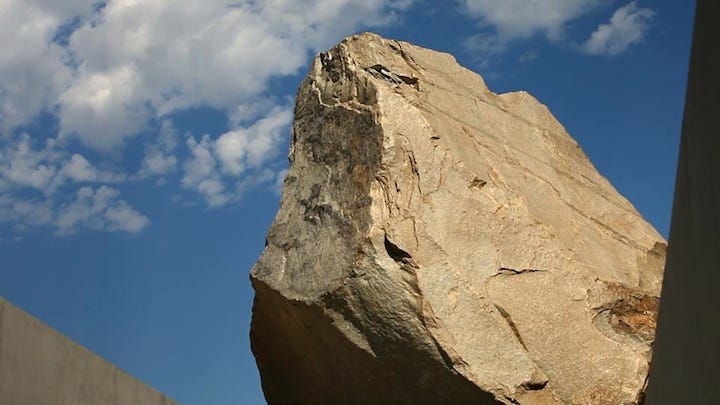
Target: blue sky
<point>142,144</point>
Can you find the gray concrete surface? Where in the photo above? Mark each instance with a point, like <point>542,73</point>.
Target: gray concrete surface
<point>686,355</point>
<point>40,366</point>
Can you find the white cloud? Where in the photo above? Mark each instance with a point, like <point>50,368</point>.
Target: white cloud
<point>78,169</point>
<point>99,210</point>
<point>23,166</point>
<point>159,155</point>
<point>157,163</point>
<point>102,108</point>
<point>144,59</point>
<point>122,217</point>
<point>46,169</point>
<point>31,184</point>
<point>33,69</point>
<point>265,176</point>
<point>513,19</point>
<point>201,172</point>
<point>280,181</point>
<point>627,27</point>
<point>24,212</point>
<point>110,70</point>
<point>238,155</point>
<point>129,61</point>
<point>252,146</point>
<point>95,209</point>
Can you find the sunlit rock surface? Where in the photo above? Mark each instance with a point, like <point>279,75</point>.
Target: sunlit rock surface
<point>439,243</point>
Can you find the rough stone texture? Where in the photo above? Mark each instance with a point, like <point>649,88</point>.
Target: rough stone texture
<point>439,243</point>
<point>39,366</point>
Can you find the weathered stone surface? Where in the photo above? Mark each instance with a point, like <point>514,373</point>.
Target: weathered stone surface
<point>439,243</point>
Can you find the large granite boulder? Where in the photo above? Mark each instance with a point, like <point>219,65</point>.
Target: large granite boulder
<point>439,243</point>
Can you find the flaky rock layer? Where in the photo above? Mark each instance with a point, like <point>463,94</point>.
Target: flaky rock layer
<point>439,243</point>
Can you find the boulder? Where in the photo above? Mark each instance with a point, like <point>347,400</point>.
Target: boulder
<point>439,243</point>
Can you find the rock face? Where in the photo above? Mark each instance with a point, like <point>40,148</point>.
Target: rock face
<point>441,244</point>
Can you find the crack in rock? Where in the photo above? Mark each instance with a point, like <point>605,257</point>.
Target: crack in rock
<point>513,272</point>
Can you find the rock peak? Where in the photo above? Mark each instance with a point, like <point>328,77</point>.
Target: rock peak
<point>439,243</point>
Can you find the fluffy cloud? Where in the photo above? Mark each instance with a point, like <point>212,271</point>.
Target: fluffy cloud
<point>227,159</point>
<point>502,23</point>
<point>279,181</point>
<point>626,28</point>
<point>103,108</point>
<point>46,169</point>
<point>32,181</point>
<point>252,146</point>
<point>33,68</point>
<point>100,210</point>
<point>159,155</point>
<point>201,172</point>
<point>110,70</point>
<point>23,166</point>
<point>143,59</point>
<point>24,213</point>
<point>514,19</point>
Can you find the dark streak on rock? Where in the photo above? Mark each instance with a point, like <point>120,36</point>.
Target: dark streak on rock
<point>399,255</point>
<point>408,79</point>
<point>512,272</point>
<point>384,73</point>
<point>534,385</point>
<point>478,183</point>
<point>512,325</point>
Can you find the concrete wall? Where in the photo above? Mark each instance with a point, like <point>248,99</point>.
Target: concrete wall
<point>39,366</point>
<point>686,355</point>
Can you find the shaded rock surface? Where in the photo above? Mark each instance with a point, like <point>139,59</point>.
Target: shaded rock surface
<point>439,243</point>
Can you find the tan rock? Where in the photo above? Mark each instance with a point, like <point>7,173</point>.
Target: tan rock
<point>439,243</point>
